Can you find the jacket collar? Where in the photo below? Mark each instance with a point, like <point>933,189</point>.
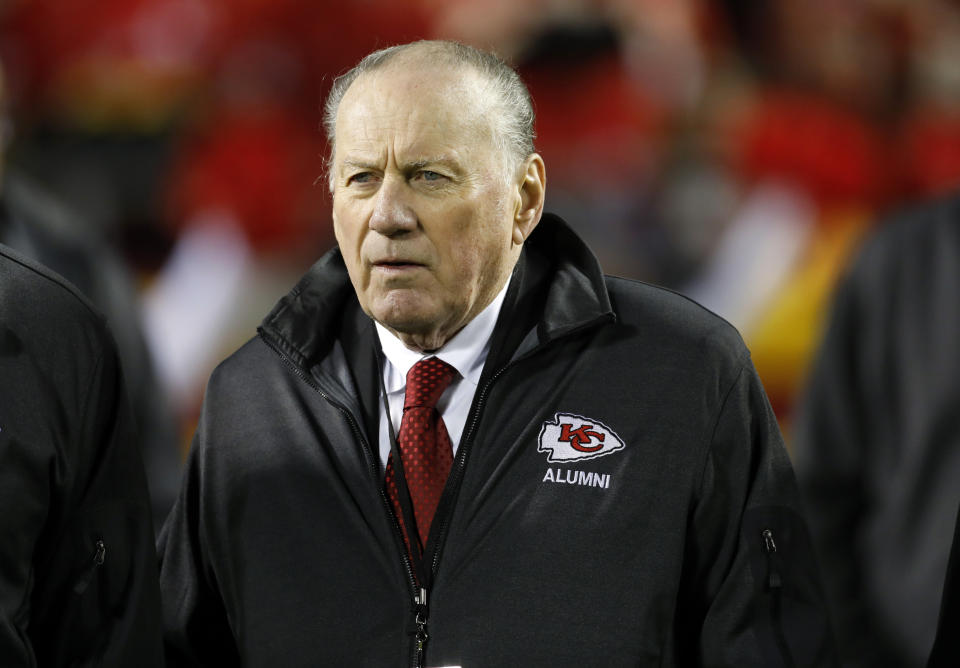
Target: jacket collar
<point>558,287</point>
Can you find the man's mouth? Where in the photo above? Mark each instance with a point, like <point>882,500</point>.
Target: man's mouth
<point>396,264</point>
<point>396,260</point>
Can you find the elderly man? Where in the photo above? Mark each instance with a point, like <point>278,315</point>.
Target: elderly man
<point>456,442</point>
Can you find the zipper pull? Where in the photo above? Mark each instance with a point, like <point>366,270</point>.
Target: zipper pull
<point>768,541</point>
<point>420,603</point>
<point>773,579</point>
<point>99,556</point>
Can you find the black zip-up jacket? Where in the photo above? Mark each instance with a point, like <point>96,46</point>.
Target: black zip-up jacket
<point>78,570</point>
<point>671,537</point>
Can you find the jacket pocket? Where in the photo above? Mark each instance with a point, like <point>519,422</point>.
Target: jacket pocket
<point>792,621</point>
<point>84,590</point>
<point>88,573</point>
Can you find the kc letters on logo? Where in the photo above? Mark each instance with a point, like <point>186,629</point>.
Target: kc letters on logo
<point>572,437</point>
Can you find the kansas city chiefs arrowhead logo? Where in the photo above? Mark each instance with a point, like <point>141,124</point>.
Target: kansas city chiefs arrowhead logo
<point>570,437</point>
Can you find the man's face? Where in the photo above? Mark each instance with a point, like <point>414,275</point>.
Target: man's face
<point>423,207</point>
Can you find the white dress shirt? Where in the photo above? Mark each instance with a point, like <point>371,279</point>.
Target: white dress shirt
<point>466,352</point>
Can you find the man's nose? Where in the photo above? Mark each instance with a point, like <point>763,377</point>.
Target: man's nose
<point>392,210</point>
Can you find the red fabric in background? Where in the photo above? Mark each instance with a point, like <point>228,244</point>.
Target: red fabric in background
<point>45,40</point>
<point>328,37</point>
<point>258,164</point>
<point>827,150</point>
<point>593,109</point>
<point>264,162</point>
<point>930,152</point>
<point>256,159</point>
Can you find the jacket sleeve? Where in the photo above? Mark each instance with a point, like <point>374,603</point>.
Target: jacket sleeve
<point>93,566</point>
<point>195,623</point>
<point>752,590</point>
<point>832,427</point>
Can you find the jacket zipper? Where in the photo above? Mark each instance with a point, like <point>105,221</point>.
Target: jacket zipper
<point>421,615</point>
<point>422,611</point>
<point>86,577</point>
<point>417,595</point>
<point>461,460</point>
<point>775,587</point>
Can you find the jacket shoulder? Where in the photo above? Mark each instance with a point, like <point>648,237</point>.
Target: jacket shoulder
<point>672,320</point>
<point>910,246</point>
<point>42,310</point>
<point>250,363</point>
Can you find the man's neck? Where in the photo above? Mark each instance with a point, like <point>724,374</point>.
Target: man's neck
<point>475,335</point>
<point>429,344</point>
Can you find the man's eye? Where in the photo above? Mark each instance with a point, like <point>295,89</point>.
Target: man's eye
<point>428,175</point>
<point>362,177</point>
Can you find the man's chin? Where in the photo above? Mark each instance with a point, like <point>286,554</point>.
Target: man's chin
<point>406,319</point>
<point>419,330</point>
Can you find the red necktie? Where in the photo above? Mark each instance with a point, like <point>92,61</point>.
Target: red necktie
<point>425,447</point>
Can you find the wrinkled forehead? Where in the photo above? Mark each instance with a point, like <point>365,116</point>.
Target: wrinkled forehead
<point>410,100</point>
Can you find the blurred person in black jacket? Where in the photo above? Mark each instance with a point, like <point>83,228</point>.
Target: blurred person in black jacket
<point>877,442</point>
<point>34,223</point>
<point>78,570</point>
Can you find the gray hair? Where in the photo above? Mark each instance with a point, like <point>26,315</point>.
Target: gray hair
<point>512,126</point>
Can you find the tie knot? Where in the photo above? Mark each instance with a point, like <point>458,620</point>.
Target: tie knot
<point>426,381</point>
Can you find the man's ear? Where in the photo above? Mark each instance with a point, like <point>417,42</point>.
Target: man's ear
<point>532,188</point>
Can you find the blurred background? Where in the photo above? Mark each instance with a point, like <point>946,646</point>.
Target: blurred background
<point>166,155</point>
<point>734,150</point>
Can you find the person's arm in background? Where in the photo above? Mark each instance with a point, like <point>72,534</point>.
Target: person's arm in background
<point>78,570</point>
<point>829,436</point>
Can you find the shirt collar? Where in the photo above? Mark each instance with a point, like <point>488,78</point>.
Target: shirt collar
<point>466,351</point>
